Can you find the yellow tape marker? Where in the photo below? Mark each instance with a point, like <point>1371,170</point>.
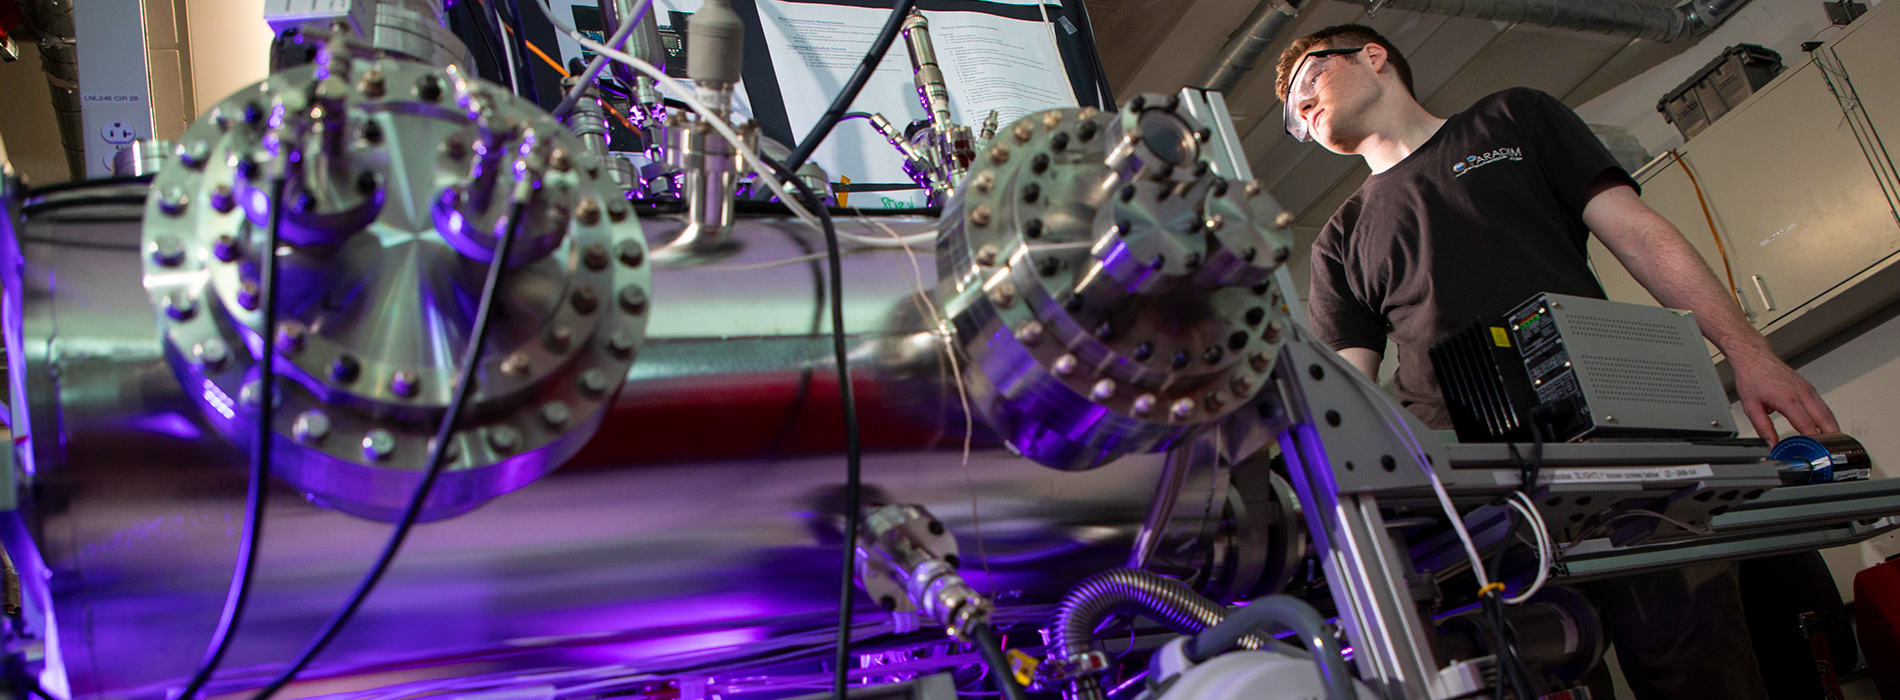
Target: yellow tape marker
<point>1500,337</point>
<point>1023,666</point>
<point>1493,587</point>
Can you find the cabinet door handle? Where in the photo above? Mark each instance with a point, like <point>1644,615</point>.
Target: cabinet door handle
<point>1762,289</point>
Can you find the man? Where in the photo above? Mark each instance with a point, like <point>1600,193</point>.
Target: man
<point>1466,217</point>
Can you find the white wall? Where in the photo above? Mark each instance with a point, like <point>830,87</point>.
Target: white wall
<point>230,47</point>
<point>1781,25</point>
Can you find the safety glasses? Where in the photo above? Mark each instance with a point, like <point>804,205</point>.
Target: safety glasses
<point>1305,86</point>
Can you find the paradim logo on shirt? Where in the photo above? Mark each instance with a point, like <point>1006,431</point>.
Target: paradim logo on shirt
<point>1471,163</point>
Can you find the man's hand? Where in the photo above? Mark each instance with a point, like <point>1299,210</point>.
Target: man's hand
<point>1656,254</point>
<point>1768,385</point>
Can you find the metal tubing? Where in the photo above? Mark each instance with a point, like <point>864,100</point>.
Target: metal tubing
<point>1268,21</point>
<point>1614,17</point>
<point>1154,596</point>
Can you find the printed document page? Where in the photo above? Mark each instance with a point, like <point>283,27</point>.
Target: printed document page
<point>989,62</point>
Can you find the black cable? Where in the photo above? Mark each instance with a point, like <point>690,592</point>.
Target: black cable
<point>490,43</point>
<point>1100,74</point>
<point>847,584</point>
<point>992,652</point>
<point>464,387</point>
<point>803,393</point>
<point>238,596</point>
<point>842,103</point>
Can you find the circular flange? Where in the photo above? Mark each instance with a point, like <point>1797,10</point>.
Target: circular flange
<point>1112,294</point>
<point>375,305</point>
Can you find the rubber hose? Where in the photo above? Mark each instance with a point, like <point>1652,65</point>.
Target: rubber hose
<point>1146,593</point>
<point>1280,611</point>
<point>998,663</point>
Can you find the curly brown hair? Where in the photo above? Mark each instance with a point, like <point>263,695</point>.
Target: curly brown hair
<point>1339,36</point>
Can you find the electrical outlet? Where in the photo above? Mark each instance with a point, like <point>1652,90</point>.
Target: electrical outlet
<point>118,132</point>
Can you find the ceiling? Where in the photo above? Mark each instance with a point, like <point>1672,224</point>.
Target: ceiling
<point>1160,45</point>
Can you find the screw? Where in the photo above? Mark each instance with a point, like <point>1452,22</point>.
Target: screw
<point>1182,408</point>
<point>247,295</point>
<point>1059,142</point>
<point>405,383</point>
<point>1039,164</point>
<point>1253,188</point>
<point>1212,354</point>
<point>373,84</point>
<point>290,336</point>
<point>1283,219</point>
<point>631,253</point>
<point>366,183</point>
<point>1074,304</point>
<point>1128,192</point>
<point>1180,359</point>
<point>1086,130</point>
<point>633,299</point>
<point>1281,253</point>
<point>1203,134</point>
<point>593,382</point>
<point>1048,267</point>
<point>211,353</point>
<point>455,148</point>
<point>1144,404</point>
<point>345,369</point>
<point>621,343</point>
<point>1033,228</point>
<point>1609,418</point>
<point>1241,386</point>
<point>1201,168</point>
<point>980,215</point>
<point>1031,191</point>
<point>986,255</point>
<point>1004,295</point>
<point>1144,350</point>
<point>1220,187</point>
<point>194,154</point>
<point>180,306</point>
<point>1272,334</point>
<point>1236,340</point>
<point>560,161</point>
<point>1215,222</point>
<point>1051,119</point>
<point>516,363</point>
<point>617,210</point>
<point>378,445</point>
<point>504,438</point>
<point>1030,333</point>
<point>594,256</point>
<point>222,199</point>
<point>588,211</point>
<point>999,154</point>
<point>984,181</point>
<point>1065,365</point>
<point>1259,361</point>
<point>585,299</point>
<point>560,338</point>
<point>429,89</point>
<point>555,414</point>
<point>1103,390</point>
<point>372,132</point>
<point>1137,104</point>
<point>1105,332</point>
<point>449,454</point>
<point>1023,131</point>
<point>311,427</point>
<point>168,251</point>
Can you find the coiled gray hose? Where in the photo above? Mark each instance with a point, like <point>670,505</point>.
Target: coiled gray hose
<point>1146,593</point>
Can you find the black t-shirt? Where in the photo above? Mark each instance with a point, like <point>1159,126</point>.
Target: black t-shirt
<point>1484,215</point>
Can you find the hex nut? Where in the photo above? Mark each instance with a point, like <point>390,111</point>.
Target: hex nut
<point>378,445</point>
<point>504,438</point>
<point>555,414</point>
<point>211,353</point>
<point>311,427</point>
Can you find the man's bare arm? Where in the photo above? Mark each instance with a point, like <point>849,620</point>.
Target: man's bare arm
<point>1366,360</point>
<point>1659,257</point>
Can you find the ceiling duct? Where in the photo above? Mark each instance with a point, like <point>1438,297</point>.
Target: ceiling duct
<point>1613,17</point>
<point>52,25</point>
<point>1238,57</point>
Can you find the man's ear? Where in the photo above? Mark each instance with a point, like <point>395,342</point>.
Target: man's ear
<point>1376,57</point>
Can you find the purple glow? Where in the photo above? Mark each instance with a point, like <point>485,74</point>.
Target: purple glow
<point>169,423</point>
<point>219,400</point>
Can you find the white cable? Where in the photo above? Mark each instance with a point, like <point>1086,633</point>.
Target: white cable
<point>1528,509</point>
<point>1418,457</point>
<point>686,95</point>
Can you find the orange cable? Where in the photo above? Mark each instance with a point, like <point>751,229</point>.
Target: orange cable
<point>558,68</point>
<point>1719,246</point>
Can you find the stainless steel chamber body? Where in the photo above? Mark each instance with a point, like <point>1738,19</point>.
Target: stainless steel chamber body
<point>701,515</point>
